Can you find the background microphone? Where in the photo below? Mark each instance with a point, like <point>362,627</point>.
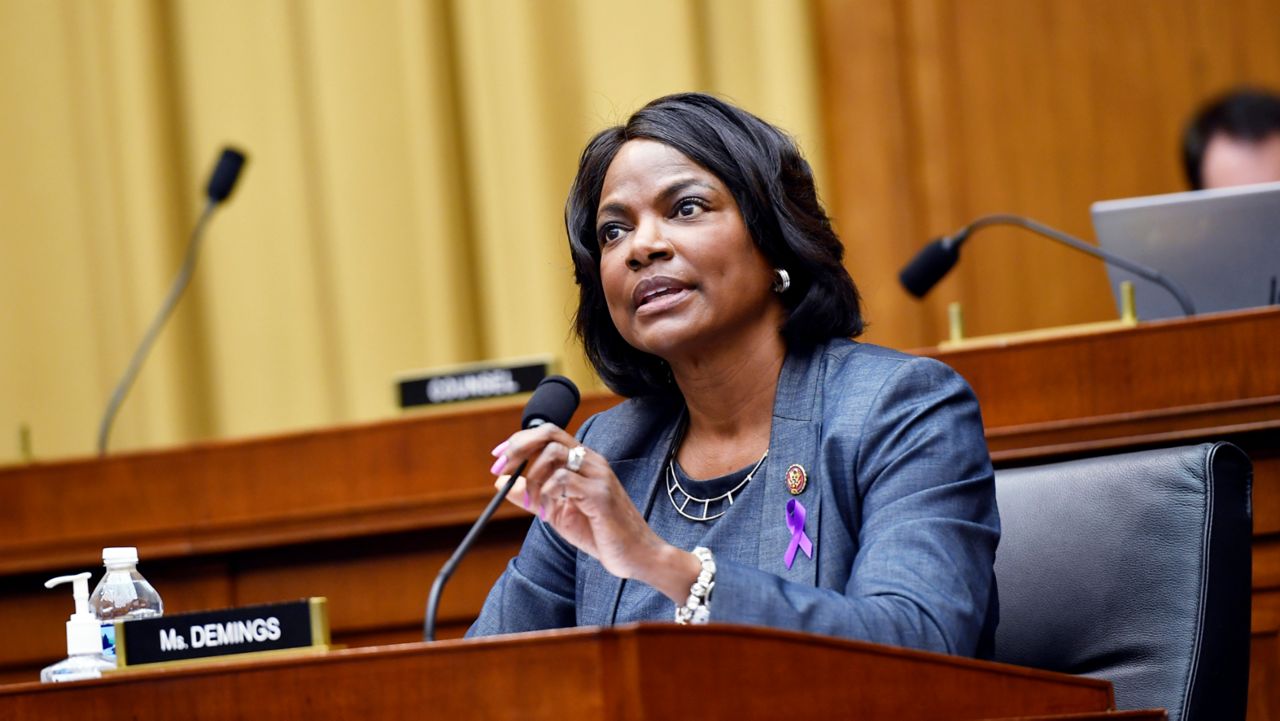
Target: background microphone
<point>937,258</point>
<point>225,174</point>
<point>221,183</point>
<point>554,401</point>
<point>931,264</point>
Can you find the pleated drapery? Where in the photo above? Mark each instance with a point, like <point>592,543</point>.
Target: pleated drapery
<point>402,206</point>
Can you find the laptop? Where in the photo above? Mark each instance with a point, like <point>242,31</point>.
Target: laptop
<point>1222,246</point>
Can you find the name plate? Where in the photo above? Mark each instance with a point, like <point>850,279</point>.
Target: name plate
<point>471,382</point>
<point>302,624</point>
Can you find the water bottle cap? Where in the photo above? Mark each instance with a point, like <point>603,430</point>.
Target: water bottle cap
<point>119,554</point>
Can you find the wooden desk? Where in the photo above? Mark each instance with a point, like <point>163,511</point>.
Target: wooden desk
<point>366,514</point>
<point>631,672</point>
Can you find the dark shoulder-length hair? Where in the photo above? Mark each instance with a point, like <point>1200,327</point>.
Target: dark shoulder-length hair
<point>773,186</point>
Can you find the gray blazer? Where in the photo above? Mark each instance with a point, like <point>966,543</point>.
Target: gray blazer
<point>900,500</point>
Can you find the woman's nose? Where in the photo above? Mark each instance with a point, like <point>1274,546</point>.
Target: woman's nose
<point>649,243</point>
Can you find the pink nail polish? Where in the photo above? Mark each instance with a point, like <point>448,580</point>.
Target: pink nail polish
<point>498,465</point>
<point>498,449</point>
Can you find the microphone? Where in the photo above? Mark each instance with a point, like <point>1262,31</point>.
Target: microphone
<point>225,174</point>
<point>937,258</point>
<point>554,401</point>
<point>221,183</point>
<point>931,264</point>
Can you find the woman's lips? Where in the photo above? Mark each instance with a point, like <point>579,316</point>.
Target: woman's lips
<point>658,292</point>
<point>663,301</point>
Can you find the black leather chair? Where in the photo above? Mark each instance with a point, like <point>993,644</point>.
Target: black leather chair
<point>1133,568</point>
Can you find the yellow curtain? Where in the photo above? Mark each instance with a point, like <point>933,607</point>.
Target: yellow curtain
<point>402,206</point>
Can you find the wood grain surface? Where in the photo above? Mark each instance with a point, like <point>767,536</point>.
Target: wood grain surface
<point>629,672</point>
<point>939,111</point>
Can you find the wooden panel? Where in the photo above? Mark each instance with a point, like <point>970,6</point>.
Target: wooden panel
<point>1158,384</point>
<point>1156,371</point>
<point>417,472</point>
<point>1264,677</point>
<point>938,111</point>
<point>1264,654</point>
<point>623,673</point>
<point>364,515</point>
<point>377,589</point>
<point>1266,605</point>
<point>37,641</point>
<point>874,200</point>
<point>382,583</point>
<point>1266,499</point>
<point>375,561</point>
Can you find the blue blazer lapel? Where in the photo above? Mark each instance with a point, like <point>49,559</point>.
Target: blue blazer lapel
<point>794,439</point>
<point>639,476</point>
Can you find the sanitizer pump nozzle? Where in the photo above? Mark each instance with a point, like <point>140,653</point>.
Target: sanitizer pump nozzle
<point>84,644</point>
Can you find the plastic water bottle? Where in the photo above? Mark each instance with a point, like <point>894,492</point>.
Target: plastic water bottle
<point>122,595</point>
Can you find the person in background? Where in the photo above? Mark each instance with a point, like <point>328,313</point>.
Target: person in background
<point>766,469</point>
<point>1234,140</point>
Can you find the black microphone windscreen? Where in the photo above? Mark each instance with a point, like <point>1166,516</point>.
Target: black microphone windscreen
<point>554,401</point>
<point>928,267</point>
<point>225,173</point>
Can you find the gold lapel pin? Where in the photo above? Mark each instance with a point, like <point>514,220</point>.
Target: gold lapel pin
<point>797,479</point>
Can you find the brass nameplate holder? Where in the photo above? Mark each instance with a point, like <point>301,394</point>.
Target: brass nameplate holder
<point>271,629</point>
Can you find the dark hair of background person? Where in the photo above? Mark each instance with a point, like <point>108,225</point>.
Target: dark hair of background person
<point>1248,114</point>
<point>773,186</point>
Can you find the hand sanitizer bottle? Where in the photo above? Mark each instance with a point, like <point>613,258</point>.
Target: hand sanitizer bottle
<point>84,645</point>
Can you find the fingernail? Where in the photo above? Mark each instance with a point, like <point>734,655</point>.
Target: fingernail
<point>526,500</point>
<point>498,449</point>
<point>498,465</point>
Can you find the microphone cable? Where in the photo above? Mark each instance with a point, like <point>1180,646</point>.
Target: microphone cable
<point>938,257</point>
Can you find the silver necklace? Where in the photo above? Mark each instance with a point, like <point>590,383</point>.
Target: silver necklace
<point>686,498</point>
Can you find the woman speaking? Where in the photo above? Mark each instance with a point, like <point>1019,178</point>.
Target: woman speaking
<point>765,468</point>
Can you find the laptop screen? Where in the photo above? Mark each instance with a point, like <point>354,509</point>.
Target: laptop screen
<point>1221,245</point>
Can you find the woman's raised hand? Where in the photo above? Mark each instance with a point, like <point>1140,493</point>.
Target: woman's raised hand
<point>589,508</point>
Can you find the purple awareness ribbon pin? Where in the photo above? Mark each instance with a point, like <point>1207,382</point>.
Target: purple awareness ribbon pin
<point>799,539</point>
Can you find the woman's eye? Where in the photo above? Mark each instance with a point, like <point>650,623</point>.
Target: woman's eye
<point>610,233</point>
<point>689,207</point>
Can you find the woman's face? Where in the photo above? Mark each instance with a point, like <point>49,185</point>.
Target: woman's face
<point>681,274</point>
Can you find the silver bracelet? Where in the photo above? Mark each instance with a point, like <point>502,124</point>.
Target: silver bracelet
<point>697,610</point>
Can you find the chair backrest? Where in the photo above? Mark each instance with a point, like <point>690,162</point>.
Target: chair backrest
<point>1133,568</point>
